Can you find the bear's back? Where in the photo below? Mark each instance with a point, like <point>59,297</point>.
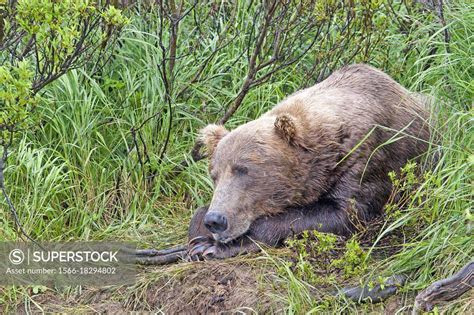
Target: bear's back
<point>359,97</point>
<point>360,106</point>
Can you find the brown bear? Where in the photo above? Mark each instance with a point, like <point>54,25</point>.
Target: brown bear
<point>318,160</point>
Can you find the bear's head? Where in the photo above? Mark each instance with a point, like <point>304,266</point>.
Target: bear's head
<point>261,168</point>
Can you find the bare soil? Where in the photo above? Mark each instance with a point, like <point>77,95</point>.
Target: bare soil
<point>197,288</point>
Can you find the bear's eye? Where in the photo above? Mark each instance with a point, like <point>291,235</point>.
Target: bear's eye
<point>214,176</point>
<point>239,170</point>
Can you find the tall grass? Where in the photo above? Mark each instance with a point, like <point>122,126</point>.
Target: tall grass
<point>78,176</point>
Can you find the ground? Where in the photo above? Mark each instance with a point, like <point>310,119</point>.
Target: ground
<point>206,287</point>
<point>251,283</point>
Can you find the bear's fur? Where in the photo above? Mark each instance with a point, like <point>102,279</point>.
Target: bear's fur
<point>324,152</point>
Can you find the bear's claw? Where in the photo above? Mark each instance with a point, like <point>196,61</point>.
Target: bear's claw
<point>210,252</point>
<point>197,240</point>
<point>200,248</point>
<point>155,257</point>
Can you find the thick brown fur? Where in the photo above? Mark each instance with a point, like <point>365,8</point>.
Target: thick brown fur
<point>320,152</point>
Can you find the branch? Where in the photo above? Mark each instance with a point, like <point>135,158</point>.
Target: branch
<point>446,289</point>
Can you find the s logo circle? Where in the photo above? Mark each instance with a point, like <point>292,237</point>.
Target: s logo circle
<point>16,256</point>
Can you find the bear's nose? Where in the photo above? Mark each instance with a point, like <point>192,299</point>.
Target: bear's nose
<point>215,222</point>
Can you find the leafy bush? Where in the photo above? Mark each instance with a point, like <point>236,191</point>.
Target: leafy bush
<point>40,41</point>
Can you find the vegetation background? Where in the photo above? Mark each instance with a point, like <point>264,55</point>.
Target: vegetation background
<point>112,154</point>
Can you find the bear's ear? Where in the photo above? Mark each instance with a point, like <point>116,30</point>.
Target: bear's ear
<point>289,129</point>
<point>211,135</point>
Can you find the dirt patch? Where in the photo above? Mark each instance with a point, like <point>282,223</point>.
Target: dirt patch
<point>199,287</point>
<point>56,302</point>
<point>211,287</point>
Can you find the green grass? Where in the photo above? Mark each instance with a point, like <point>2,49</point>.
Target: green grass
<point>62,176</point>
